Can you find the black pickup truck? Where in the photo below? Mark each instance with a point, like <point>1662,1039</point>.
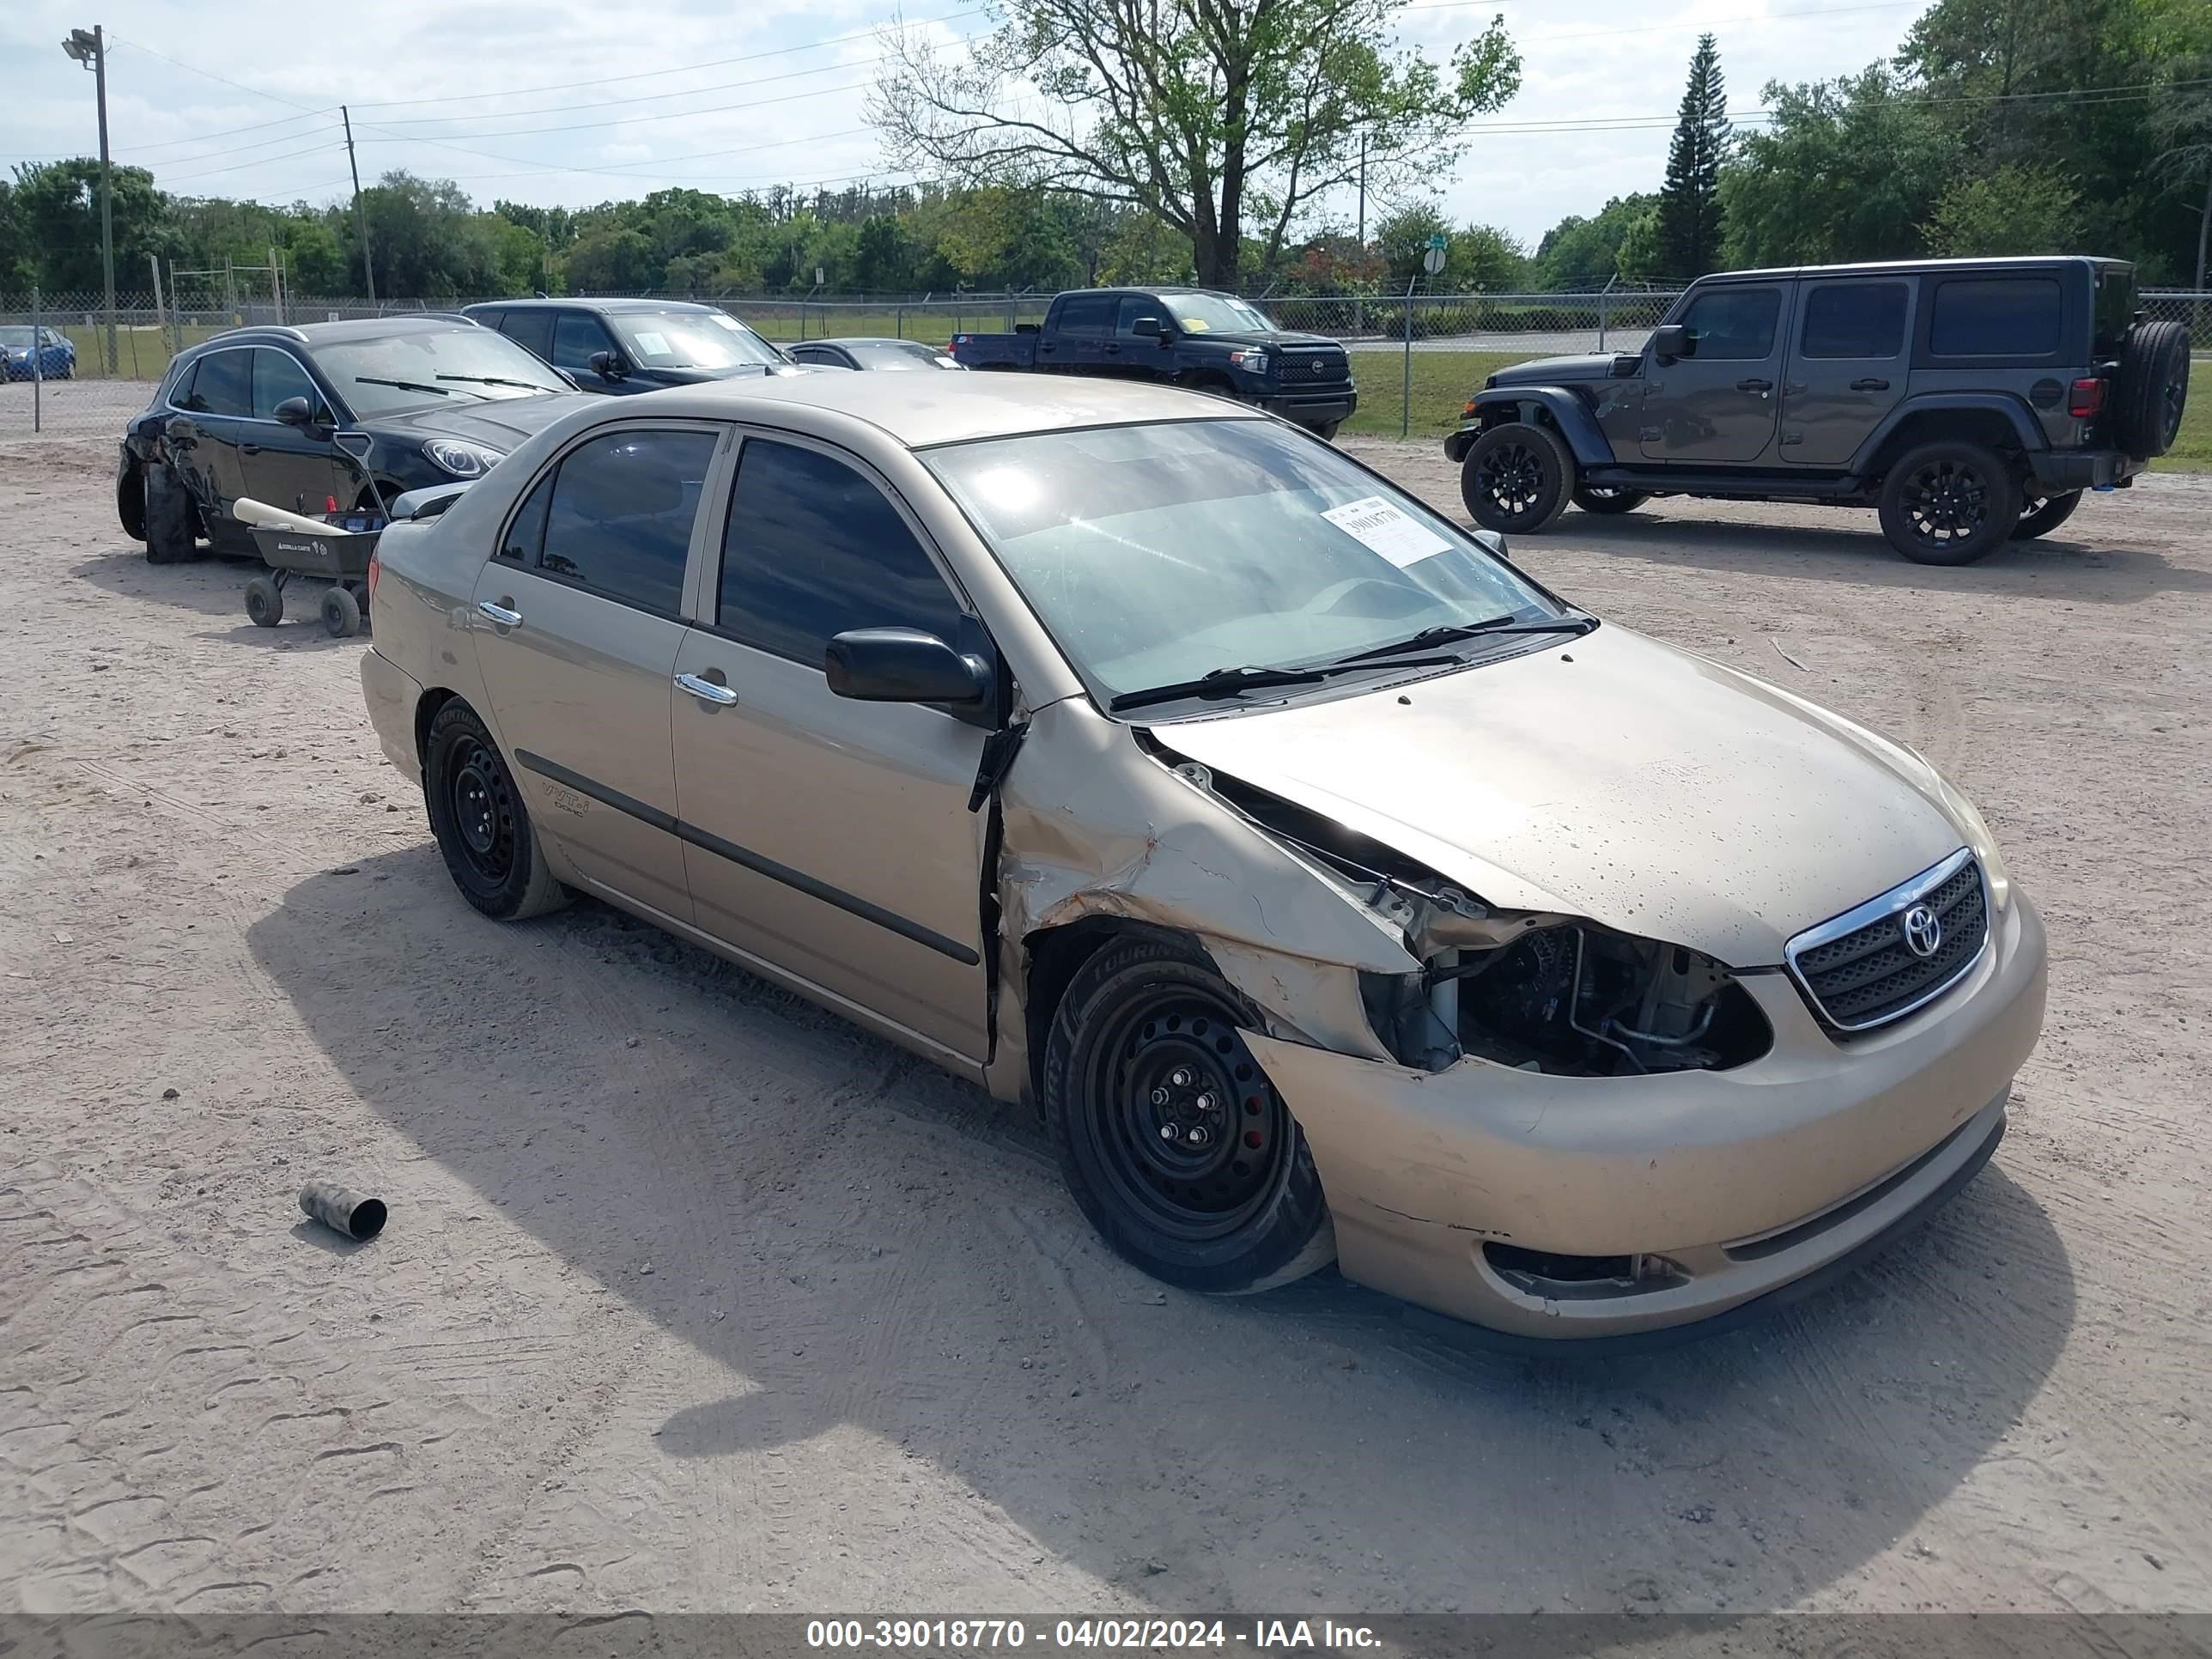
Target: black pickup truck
<point>1188,337</point>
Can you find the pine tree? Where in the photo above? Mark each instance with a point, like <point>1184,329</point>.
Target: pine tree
<point>1690,201</point>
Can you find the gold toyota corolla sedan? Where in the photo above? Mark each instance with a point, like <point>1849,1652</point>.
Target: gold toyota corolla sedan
<point>1334,890</point>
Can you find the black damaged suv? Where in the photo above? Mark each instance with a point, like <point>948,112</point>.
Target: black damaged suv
<point>1970,401</point>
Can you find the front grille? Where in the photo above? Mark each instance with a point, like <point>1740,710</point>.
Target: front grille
<point>1858,970</point>
<point>1303,367</point>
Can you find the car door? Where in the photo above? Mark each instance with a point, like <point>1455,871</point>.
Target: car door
<point>829,837</point>
<point>578,619</point>
<point>207,435</point>
<point>576,335</point>
<point>1132,355</point>
<point>1847,367</point>
<point>288,466</point>
<point>1718,403</point>
<point>1086,322</point>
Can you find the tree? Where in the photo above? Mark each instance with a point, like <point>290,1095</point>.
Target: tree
<point>1484,259</point>
<point>1689,229</point>
<point>1578,254</point>
<point>1402,239</point>
<point>57,209</point>
<point>2013,209</point>
<point>1206,113</point>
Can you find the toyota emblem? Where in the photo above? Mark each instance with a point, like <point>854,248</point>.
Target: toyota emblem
<point>1923,930</point>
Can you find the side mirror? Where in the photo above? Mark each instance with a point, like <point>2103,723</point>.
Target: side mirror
<point>902,664</point>
<point>296,411</point>
<point>1626,365</point>
<point>1671,341</point>
<point>607,364</point>
<point>1145,325</point>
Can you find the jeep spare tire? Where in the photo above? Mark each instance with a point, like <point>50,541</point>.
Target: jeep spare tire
<point>1517,478</point>
<point>2153,390</point>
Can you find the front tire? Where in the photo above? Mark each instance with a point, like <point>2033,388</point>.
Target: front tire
<point>1170,1137</point>
<point>1602,499</point>
<point>1949,503</point>
<point>1517,478</point>
<point>169,537</point>
<point>2041,515</point>
<point>483,831</point>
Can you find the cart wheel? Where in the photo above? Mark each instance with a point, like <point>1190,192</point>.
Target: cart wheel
<point>264,602</point>
<point>341,613</point>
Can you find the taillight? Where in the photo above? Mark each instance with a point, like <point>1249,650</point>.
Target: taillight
<point>375,569</point>
<point>2087,398</point>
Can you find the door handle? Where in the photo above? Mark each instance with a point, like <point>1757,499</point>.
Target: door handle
<point>1047,346</point>
<point>1760,386</point>
<point>1870,384</point>
<point>499,614</point>
<point>707,690</point>
<point>249,449</point>
<point>1112,349</point>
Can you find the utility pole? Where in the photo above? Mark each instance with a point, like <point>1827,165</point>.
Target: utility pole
<point>360,215</point>
<point>89,49</point>
<point>1362,190</point>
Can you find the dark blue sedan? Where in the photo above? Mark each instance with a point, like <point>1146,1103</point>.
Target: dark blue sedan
<point>57,356</point>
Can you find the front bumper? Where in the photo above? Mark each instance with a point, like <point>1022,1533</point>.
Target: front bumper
<point>393,696</point>
<point>1314,407</point>
<point>2061,471</point>
<point>1742,1182</point>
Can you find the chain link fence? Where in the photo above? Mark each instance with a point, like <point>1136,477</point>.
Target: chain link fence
<point>1417,359</point>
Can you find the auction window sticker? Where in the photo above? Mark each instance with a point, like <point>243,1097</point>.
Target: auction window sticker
<point>1382,528</point>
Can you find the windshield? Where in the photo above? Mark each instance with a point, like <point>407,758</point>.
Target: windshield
<point>455,366</point>
<point>1215,313</point>
<point>1159,554</point>
<point>899,354</point>
<point>691,339</point>
<point>19,339</point>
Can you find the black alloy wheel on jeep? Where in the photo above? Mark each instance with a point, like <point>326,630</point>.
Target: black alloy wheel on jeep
<point>1517,478</point>
<point>1949,503</point>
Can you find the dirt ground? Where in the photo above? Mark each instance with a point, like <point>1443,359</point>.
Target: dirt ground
<point>693,1297</point>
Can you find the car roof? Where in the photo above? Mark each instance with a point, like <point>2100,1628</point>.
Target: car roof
<point>572,303</point>
<point>918,410</point>
<point>310,334</point>
<point>868,339</point>
<point>1893,267</point>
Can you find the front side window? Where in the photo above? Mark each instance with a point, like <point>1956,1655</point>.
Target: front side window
<point>1733,323</point>
<point>813,549</point>
<point>576,335</point>
<point>1995,317</point>
<point>691,339</point>
<point>618,517</point>
<point>221,383</point>
<point>1854,319</point>
<point>276,376</point>
<point>1135,307</point>
<point>1157,554</point>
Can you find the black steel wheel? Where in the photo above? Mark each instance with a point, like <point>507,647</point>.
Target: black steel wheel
<point>1170,1137</point>
<point>484,830</point>
<point>1515,478</point>
<point>1949,503</point>
<point>2041,515</point>
<point>1602,498</point>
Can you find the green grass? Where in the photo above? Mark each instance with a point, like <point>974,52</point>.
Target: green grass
<point>1443,382</point>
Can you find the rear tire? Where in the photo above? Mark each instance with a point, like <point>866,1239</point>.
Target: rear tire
<point>1170,1137</point>
<point>2153,389</point>
<point>483,831</point>
<point>1949,503</point>
<point>2041,515</point>
<point>1598,498</point>
<point>169,537</point>
<point>1517,478</point>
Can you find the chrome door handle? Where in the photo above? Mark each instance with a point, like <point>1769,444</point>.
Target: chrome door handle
<point>707,691</point>
<point>499,614</point>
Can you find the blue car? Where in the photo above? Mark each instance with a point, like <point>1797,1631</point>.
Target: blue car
<point>57,357</point>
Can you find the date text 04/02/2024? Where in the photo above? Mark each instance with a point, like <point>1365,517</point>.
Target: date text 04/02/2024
<point>986,1634</point>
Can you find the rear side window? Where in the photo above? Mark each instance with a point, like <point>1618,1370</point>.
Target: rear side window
<point>1995,317</point>
<point>1733,324</point>
<point>619,513</point>
<point>2116,308</point>
<point>531,330</point>
<point>1854,319</point>
<point>276,376</point>
<point>220,385</point>
<point>1087,313</point>
<point>813,549</point>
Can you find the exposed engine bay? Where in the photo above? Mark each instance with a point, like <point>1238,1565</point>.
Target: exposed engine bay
<point>1551,994</point>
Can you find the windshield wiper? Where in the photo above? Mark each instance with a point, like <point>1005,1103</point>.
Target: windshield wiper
<point>1227,682</point>
<point>494,380</point>
<point>410,385</point>
<point>1451,632</point>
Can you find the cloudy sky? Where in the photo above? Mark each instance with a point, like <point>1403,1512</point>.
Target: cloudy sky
<point>561,101</point>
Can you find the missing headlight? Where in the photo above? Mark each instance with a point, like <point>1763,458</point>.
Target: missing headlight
<point>1583,1002</point>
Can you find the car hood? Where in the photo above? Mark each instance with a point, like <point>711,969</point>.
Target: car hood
<point>700,376</point>
<point>1254,337</point>
<point>501,424</point>
<point>1549,371</point>
<point>1612,778</point>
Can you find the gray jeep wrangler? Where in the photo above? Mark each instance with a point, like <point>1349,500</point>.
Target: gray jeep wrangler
<point>1970,401</point>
